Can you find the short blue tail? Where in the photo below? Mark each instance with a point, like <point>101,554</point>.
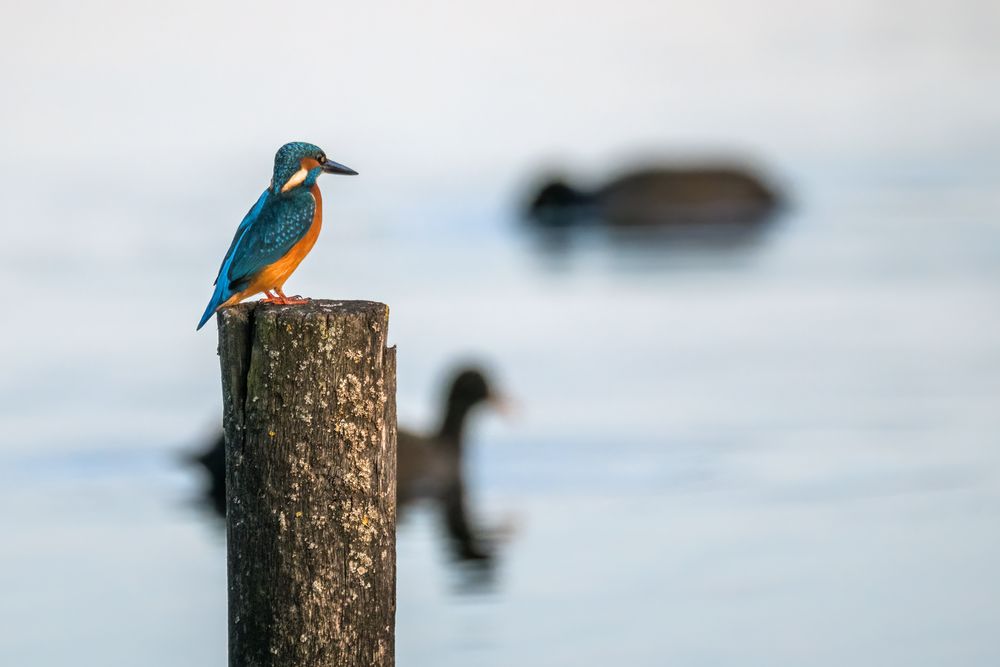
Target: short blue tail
<point>218,298</point>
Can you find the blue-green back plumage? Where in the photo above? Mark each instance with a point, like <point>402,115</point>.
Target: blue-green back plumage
<point>282,223</point>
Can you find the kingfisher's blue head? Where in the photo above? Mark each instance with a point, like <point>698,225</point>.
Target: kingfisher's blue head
<point>298,165</point>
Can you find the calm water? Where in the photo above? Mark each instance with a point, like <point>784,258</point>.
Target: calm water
<point>776,454</point>
<point>792,448</point>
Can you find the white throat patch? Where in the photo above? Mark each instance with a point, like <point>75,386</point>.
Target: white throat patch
<point>295,180</point>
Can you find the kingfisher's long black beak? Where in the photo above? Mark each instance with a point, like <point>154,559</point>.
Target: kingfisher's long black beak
<point>331,167</point>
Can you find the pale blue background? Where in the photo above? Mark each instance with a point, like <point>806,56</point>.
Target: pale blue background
<point>783,454</point>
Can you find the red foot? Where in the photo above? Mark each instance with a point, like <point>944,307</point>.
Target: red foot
<point>281,299</point>
<point>271,298</point>
<point>290,300</point>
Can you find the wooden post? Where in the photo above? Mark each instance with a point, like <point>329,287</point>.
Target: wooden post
<point>310,423</point>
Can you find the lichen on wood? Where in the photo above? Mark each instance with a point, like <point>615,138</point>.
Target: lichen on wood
<point>310,423</point>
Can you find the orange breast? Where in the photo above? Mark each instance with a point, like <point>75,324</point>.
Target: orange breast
<point>274,276</point>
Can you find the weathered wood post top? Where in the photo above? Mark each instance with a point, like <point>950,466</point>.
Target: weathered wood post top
<point>310,423</point>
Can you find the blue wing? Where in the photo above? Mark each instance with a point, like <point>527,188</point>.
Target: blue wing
<point>267,233</point>
<point>281,224</point>
<point>248,219</point>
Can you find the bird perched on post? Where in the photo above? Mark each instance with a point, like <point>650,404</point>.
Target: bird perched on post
<point>278,232</point>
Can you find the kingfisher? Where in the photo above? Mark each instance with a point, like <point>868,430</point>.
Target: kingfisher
<point>278,231</point>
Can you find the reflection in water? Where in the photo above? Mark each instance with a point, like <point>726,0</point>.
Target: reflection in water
<point>429,467</point>
<point>660,196</point>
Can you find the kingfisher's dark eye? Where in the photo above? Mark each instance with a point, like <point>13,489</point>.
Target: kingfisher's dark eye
<point>321,159</point>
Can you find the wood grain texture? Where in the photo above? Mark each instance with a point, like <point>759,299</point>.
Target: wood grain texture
<point>310,427</point>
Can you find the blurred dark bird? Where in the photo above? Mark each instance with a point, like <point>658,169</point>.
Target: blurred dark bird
<point>213,460</point>
<point>661,196</point>
<point>428,467</point>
